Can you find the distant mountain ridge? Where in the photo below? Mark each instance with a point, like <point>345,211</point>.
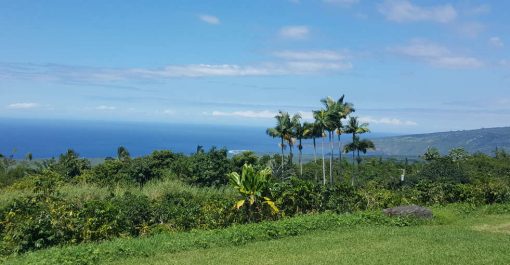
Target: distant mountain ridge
<point>484,140</point>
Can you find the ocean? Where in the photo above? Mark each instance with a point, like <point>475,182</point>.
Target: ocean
<point>99,139</point>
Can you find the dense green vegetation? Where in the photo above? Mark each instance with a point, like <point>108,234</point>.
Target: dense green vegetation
<point>69,201</point>
<point>480,140</point>
<point>50,205</point>
<point>474,235</point>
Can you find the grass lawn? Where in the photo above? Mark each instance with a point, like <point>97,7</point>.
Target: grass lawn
<point>476,238</point>
<point>477,241</point>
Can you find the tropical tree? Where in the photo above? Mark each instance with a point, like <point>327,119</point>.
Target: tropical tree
<point>322,122</point>
<point>337,110</point>
<point>312,131</point>
<point>359,146</point>
<point>291,137</point>
<point>123,154</point>
<point>332,124</point>
<point>354,127</point>
<point>344,109</point>
<point>363,146</point>
<point>282,130</point>
<point>250,185</point>
<point>431,154</point>
<point>300,134</point>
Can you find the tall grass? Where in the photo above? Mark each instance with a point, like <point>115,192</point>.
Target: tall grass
<point>154,190</point>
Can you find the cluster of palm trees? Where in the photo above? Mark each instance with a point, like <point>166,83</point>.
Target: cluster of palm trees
<point>328,121</point>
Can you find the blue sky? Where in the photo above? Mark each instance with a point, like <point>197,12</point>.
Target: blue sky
<point>408,66</point>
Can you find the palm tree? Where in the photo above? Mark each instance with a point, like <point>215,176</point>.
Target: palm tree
<point>123,153</point>
<point>322,122</point>
<point>363,146</point>
<point>354,127</point>
<point>359,146</point>
<point>337,111</point>
<point>282,130</point>
<point>312,131</point>
<point>333,123</point>
<point>300,134</point>
<point>295,121</point>
<point>344,109</point>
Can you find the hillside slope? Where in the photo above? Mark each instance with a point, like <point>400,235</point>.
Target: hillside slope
<point>481,140</point>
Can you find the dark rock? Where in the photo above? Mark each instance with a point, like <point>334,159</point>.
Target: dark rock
<point>409,210</point>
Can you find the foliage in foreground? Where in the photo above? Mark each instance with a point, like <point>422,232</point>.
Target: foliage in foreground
<point>92,253</point>
<point>127,197</point>
<point>168,243</point>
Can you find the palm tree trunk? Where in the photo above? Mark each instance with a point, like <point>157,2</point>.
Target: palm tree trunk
<point>314,150</point>
<point>300,157</point>
<point>315,158</point>
<point>340,155</point>
<point>359,158</point>
<point>291,154</point>
<point>357,164</point>
<point>332,147</point>
<point>323,164</point>
<point>353,158</point>
<point>283,154</point>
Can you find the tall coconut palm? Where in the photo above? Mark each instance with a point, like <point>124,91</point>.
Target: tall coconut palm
<point>359,146</point>
<point>282,130</point>
<point>291,137</point>
<point>123,153</point>
<point>333,120</point>
<point>337,111</point>
<point>344,109</point>
<point>363,146</point>
<point>312,131</point>
<point>300,134</point>
<point>322,122</point>
<point>354,127</point>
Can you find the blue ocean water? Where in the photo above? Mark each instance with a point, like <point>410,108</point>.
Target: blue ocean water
<point>95,139</point>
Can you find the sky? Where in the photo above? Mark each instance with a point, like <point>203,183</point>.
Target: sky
<point>407,66</point>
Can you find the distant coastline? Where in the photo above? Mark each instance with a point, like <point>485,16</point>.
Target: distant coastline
<point>100,139</point>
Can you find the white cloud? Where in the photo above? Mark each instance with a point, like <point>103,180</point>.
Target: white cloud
<point>209,19</point>
<point>294,32</point>
<point>496,42</point>
<point>322,55</point>
<point>89,74</point>
<point>387,121</point>
<point>302,67</point>
<point>306,115</point>
<point>202,70</point>
<point>341,2</point>
<point>457,62</point>
<point>436,55</point>
<point>169,112</point>
<point>257,114</point>
<point>23,105</point>
<point>264,114</point>
<point>405,11</point>
<point>290,63</point>
<point>470,29</point>
<point>105,107</point>
<point>478,10</point>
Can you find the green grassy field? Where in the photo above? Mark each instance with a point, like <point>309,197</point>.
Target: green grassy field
<point>479,241</point>
<point>478,237</point>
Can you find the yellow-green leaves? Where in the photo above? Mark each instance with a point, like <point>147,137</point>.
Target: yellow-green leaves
<point>250,185</point>
<point>239,204</point>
